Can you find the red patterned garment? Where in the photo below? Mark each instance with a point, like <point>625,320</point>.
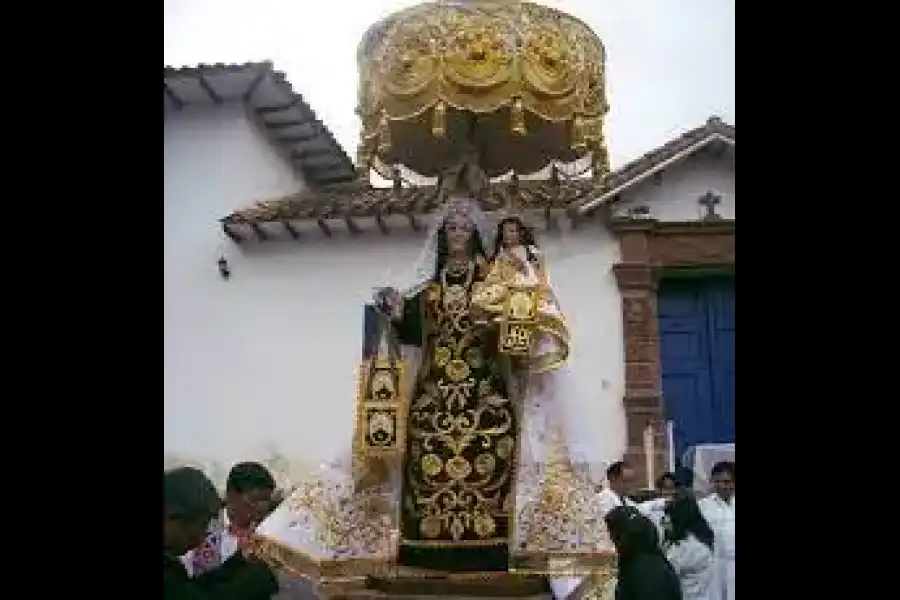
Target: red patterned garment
<point>208,555</point>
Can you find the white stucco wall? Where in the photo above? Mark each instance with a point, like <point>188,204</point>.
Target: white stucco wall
<point>674,197</point>
<point>215,160</point>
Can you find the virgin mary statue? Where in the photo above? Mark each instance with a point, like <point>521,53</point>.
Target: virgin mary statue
<point>466,457</point>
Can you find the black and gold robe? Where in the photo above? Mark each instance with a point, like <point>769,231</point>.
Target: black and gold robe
<point>462,433</point>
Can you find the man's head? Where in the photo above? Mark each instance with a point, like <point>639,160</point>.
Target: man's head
<point>667,485</point>
<point>248,493</point>
<point>619,475</point>
<point>190,502</point>
<point>722,477</point>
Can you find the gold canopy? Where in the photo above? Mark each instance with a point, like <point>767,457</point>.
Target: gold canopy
<point>521,82</point>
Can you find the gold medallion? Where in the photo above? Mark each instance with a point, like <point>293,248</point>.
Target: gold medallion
<point>457,370</point>
<point>431,465</point>
<point>458,468</point>
<point>484,525</point>
<point>430,526</point>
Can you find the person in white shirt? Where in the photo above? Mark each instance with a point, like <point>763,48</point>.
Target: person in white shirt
<point>619,477</point>
<point>718,509</point>
<point>689,543</point>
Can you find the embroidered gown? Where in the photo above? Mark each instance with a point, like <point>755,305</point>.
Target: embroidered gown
<point>461,434</point>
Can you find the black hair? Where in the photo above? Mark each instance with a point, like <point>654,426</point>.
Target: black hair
<point>723,467</point>
<point>685,517</point>
<point>189,494</point>
<point>526,236</point>
<point>476,248</point>
<point>249,476</point>
<point>667,476</point>
<point>616,470</point>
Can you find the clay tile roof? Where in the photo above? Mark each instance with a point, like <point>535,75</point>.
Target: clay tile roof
<point>636,170</point>
<point>362,200</point>
<point>289,122</point>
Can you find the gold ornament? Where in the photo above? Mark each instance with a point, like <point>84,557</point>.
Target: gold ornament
<point>478,57</point>
<point>441,356</point>
<point>439,120</point>
<point>458,468</point>
<point>484,525</point>
<point>457,370</point>
<point>432,465</point>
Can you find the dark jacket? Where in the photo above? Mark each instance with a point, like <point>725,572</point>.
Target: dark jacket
<point>644,572</point>
<point>236,579</point>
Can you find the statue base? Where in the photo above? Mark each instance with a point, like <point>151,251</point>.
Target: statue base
<point>410,583</point>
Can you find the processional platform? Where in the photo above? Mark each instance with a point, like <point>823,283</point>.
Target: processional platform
<point>411,583</point>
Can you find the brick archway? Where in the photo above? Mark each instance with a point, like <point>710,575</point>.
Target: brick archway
<point>650,250</point>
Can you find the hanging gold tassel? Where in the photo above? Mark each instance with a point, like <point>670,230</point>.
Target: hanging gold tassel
<point>362,161</point>
<point>600,161</point>
<point>439,120</point>
<point>384,133</point>
<point>517,117</point>
<point>578,142</point>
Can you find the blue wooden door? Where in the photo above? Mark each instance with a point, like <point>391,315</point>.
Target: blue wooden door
<point>696,328</point>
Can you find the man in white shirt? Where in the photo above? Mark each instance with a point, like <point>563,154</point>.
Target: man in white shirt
<point>718,510</point>
<point>619,477</point>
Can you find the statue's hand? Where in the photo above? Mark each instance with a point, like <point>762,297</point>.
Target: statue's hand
<point>390,302</point>
<point>479,317</point>
<point>517,263</point>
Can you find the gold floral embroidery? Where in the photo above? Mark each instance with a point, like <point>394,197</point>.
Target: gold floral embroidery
<point>432,465</point>
<point>457,370</point>
<point>458,468</point>
<point>456,492</point>
<point>441,356</point>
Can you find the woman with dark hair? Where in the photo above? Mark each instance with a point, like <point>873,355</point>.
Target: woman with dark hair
<point>644,572</point>
<point>689,547</point>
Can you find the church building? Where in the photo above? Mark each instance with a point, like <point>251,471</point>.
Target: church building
<point>274,244</point>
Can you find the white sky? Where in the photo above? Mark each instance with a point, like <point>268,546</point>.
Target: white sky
<point>670,63</point>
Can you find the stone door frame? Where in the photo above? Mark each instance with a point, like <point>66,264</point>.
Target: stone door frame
<point>649,251</point>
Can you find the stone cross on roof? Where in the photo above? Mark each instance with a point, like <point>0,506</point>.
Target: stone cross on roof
<point>709,201</point>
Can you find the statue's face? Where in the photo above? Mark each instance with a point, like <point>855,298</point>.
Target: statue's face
<point>459,232</point>
<point>511,236</point>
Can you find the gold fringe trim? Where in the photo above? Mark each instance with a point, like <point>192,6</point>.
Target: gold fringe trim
<point>452,544</point>
<point>599,565</point>
<point>439,120</point>
<point>517,117</point>
<point>578,142</point>
<point>300,564</point>
<point>384,133</point>
<point>594,587</point>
